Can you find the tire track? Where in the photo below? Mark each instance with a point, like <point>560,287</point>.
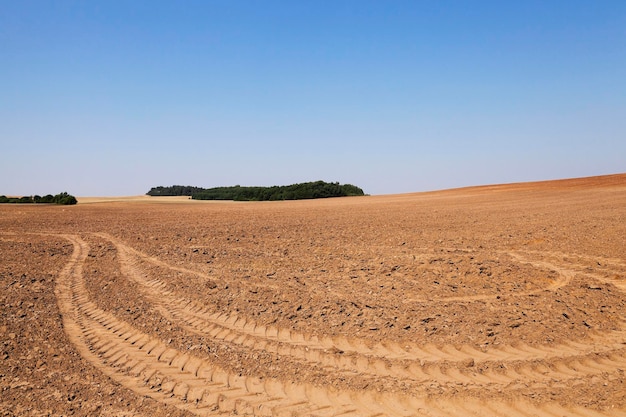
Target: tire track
<point>607,270</point>
<point>428,363</point>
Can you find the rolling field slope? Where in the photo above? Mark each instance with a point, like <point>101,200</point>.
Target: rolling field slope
<point>502,300</point>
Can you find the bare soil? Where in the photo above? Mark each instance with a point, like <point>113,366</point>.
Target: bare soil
<point>505,300</point>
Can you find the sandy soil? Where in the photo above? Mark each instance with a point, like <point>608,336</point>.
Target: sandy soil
<point>505,300</point>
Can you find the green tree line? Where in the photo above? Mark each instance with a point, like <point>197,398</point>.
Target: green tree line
<point>301,191</point>
<point>61,198</point>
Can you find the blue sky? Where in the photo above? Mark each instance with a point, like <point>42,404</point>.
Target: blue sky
<point>114,97</point>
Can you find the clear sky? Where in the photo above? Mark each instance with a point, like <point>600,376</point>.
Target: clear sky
<point>114,97</point>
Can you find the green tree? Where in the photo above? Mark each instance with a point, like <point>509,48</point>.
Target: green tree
<point>65,199</point>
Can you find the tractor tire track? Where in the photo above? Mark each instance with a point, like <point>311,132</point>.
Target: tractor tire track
<point>607,270</point>
<point>522,363</point>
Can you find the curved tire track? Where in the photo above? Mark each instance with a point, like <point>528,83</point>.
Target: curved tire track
<point>607,270</point>
<point>430,363</point>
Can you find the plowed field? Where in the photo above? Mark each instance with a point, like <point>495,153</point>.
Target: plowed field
<point>505,300</point>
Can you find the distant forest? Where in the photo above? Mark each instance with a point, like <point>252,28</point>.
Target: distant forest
<point>302,191</point>
<point>62,198</point>
<point>174,190</point>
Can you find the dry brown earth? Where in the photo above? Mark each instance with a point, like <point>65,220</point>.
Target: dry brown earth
<point>504,300</point>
